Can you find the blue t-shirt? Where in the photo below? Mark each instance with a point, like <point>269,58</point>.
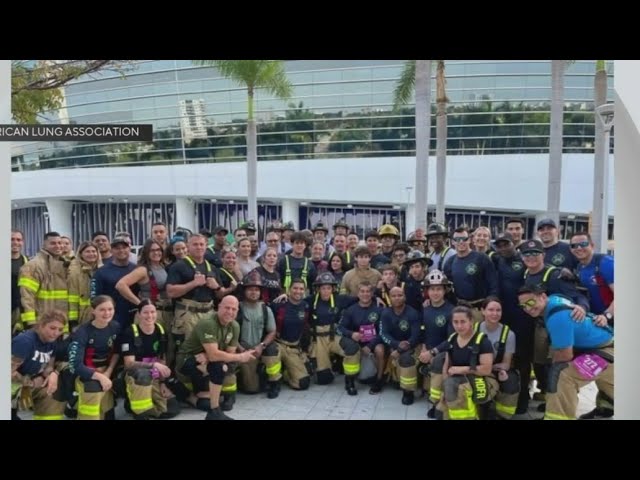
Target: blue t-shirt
<point>600,295</point>
<point>35,353</point>
<point>566,332</point>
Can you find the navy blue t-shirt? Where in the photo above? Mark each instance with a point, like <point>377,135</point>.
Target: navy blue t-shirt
<point>291,320</point>
<point>34,352</point>
<point>104,283</point>
<point>436,324</point>
<point>92,348</point>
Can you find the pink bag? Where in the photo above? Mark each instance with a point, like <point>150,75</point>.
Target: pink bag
<point>589,365</point>
<point>368,332</point>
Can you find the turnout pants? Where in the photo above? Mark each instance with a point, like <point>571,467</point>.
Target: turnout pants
<point>562,399</point>
<point>461,396</point>
<point>294,363</point>
<point>249,373</point>
<point>45,407</point>
<point>144,394</point>
<point>93,403</point>
<point>324,345</point>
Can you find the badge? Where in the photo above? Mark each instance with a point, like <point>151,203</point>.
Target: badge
<point>471,269</point>
<point>403,325</point>
<point>441,320</point>
<point>558,259</point>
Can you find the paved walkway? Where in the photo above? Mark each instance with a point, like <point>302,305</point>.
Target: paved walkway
<point>331,402</point>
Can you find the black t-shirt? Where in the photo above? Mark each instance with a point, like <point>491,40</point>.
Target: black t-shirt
<point>16,264</point>
<point>181,272</point>
<point>143,346</point>
<point>271,282</point>
<point>461,356</point>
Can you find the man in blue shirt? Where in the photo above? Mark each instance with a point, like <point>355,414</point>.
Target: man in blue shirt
<point>582,353</point>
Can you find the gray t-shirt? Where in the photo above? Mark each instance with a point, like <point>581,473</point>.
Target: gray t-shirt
<point>494,337</point>
<point>252,327</point>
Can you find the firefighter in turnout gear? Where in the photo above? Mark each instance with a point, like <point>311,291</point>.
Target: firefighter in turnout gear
<point>326,307</point>
<point>143,348</point>
<point>43,282</point>
<point>467,381</point>
<point>400,331</point>
<point>258,333</point>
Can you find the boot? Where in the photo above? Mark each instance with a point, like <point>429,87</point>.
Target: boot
<point>229,400</point>
<point>377,386</point>
<point>431,413</point>
<point>407,397</point>
<point>14,414</point>
<point>349,385</point>
<point>216,414</point>
<point>273,389</point>
<point>598,412</point>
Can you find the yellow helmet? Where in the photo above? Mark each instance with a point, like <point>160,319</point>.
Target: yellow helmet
<point>388,229</point>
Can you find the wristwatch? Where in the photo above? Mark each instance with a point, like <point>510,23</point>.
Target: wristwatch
<point>608,316</point>
<point>263,345</point>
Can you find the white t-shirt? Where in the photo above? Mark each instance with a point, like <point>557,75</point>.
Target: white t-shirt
<point>494,337</point>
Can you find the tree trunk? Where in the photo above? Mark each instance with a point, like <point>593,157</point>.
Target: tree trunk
<point>252,164</point>
<point>441,142</point>
<point>423,133</point>
<point>555,140</point>
<point>600,214</point>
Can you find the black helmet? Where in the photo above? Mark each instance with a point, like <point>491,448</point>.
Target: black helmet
<point>249,226</point>
<point>417,256</point>
<point>437,229</point>
<point>341,223</point>
<point>252,279</point>
<point>325,278</point>
<point>289,226</point>
<point>320,226</point>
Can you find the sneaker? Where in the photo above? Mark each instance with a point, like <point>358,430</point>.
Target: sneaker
<point>407,398</point>
<point>70,412</point>
<point>216,414</point>
<point>598,412</point>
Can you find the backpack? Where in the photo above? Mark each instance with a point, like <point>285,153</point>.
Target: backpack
<point>265,317</point>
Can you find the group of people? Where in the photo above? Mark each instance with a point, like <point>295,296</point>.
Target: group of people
<point>194,318</point>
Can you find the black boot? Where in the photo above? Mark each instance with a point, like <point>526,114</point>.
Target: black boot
<point>598,412</point>
<point>431,413</point>
<point>216,414</point>
<point>377,386</point>
<point>273,389</point>
<point>350,385</point>
<point>407,397</point>
<point>229,400</point>
<point>14,414</point>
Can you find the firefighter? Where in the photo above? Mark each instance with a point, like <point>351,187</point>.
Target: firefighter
<point>437,235</point>
<point>363,272</point>
<point>296,265</point>
<point>258,333</point>
<point>436,328</point>
<point>43,282</point>
<point>18,259</point>
<point>92,359</point>
<point>361,323</point>
<point>582,353</point>
<point>34,380</point>
<point>416,265</point>
<point>81,270</point>
<point>503,341</point>
<point>400,330</point>
<point>467,381</point>
<point>389,236</point>
<point>143,348</point>
<point>326,308</point>
<point>208,357</point>
<point>292,336</point>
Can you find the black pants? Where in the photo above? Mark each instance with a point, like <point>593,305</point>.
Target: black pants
<point>523,327</point>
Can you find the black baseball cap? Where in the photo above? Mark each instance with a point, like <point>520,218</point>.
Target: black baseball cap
<point>220,229</point>
<point>532,246</point>
<point>546,222</point>
<point>505,237</point>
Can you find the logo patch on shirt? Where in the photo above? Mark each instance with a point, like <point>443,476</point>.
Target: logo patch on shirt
<point>558,259</point>
<point>517,266</point>
<point>471,269</point>
<point>441,320</point>
<point>301,315</point>
<point>228,337</point>
<point>208,336</point>
<point>125,347</point>
<point>156,346</point>
<point>403,325</point>
<point>373,317</point>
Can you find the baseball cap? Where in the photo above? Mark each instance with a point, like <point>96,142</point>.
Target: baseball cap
<point>532,246</point>
<point>546,222</point>
<point>119,240</point>
<point>220,229</point>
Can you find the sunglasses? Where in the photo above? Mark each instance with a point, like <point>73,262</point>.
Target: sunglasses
<point>531,254</point>
<point>584,244</point>
<point>528,304</point>
<point>459,239</point>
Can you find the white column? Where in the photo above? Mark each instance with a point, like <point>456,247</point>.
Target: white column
<point>291,212</point>
<point>410,219</point>
<point>627,146</point>
<point>5,218</point>
<point>60,216</point>
<point>186,214</point>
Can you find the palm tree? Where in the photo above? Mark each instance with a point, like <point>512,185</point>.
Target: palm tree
<point>441,141</point>
<point>416,77</point>
<point>253,74</point>
<point>555,139</point>
<point>598,215</point>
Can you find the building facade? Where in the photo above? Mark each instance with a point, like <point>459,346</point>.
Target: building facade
<point>337,148</point>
